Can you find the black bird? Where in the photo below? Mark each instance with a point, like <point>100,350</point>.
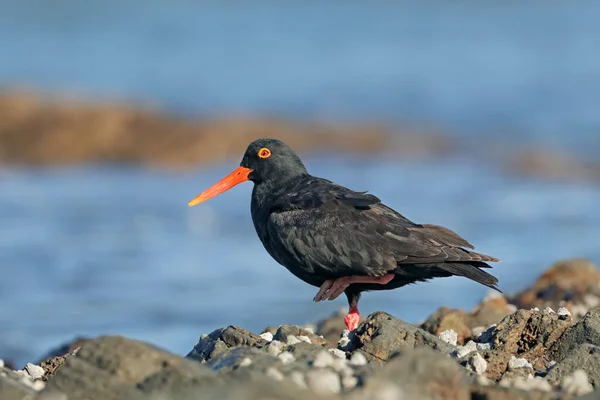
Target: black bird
<point>338,239</point>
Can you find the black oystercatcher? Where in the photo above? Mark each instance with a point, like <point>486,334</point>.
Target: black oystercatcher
<point>341,240</point>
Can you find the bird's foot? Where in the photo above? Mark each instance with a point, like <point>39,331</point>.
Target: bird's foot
<point>351,320</point>
<point>332,288</point>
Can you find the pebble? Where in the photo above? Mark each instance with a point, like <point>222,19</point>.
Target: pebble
<point>551,364</point>
<point>484,346</point>
<point>305,339</point>
<point>268,336</point>
<point>479,364</point>
<point>286,357</point>
<point>563,312</point>
<point>323,359</point>
<point>468,348</point>
<point>515,363</point>
<point>535,309</point>
<point>484,380</point>
<point>35,371</point>
<point>291,340</point>
<point>323,381</point>
<point>203,336</point>
<point>338,353</point>
<point>341,366</point>
<point>529,383</point>
<point>358,359</point>
<point>1,363</point>
<point>298,378</point>
<point>449,337</point>
<point>511,308</point>
<point>275,348</point>
<point>549,310</point>
<point>349,382</point>
<point>38,385</point>
<point>246,362</point>
<point>577,383</point>
<point>345,342</point>
<point>274,374</point>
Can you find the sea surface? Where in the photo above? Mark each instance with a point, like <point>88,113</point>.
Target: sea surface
<point>102,249</point>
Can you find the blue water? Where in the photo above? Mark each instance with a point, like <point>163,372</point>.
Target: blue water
<point>106,249</point>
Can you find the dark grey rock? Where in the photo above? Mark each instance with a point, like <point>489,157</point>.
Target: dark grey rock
<point>587,330</point>
<point>222,340</point>
<point>382,335</point>
<point>419,373</point>
<point>585,357</point>
<point>179,379</point>
<point>10,389</point>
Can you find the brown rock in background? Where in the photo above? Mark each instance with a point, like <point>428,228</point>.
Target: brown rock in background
<point>574,284</point>
<point>45,132</point>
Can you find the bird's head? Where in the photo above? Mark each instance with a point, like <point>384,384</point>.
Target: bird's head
<point>265,160</point>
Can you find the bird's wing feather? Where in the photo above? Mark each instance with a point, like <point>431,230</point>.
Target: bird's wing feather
<point>332,230</point>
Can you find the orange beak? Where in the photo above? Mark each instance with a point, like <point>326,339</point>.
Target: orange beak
<point>239,175</point>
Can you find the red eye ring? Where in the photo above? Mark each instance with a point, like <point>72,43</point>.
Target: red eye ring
<point>264,153</point>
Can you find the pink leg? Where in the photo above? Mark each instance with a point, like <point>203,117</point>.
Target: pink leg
<point>351,320</point>
<point>332,288</point>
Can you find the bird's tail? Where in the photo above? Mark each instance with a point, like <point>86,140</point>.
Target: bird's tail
<point>473,271</point>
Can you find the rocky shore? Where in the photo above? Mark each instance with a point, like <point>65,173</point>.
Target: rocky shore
<point>542,343</point>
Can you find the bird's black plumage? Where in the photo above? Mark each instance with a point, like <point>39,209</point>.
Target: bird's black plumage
<point>319,230</point>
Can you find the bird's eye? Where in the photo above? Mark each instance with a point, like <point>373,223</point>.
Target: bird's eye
<point>264,153</point>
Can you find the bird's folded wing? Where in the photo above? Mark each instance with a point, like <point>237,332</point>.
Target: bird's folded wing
<point>346,232</point>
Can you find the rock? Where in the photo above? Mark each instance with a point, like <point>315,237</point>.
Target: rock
<point>526,383</point>
<point>291,340</point>
<point>286,357</point>
<point>285,331</point>
<point>35,371</point>
<point>577,383</point>
<point>530,334</point>
<point>323,381</point>
<point>275,347</point>
<point>274,374</point>
<point>222,340</point>
<point>449,337</point>
<point>323,359</point>
<point>587,330</point>
<point>345,342</point>
<point>11,389</point>
<point>448,319</point>
<point>516,363</point>
<point>45,132</point>
<point>586,357</point>
<point>490,311</point>
<point>462,351</point>
<point>268,336</point>
<point>486,392</point>
<point>358,359</point>
<point>109,368</point>
<point>567,283</point>
<point>298,378</point>
<point>382,335</point>
<point>338,353</point>
<point>420,373</point>
<point>496,361</point>
<point>478,364</point>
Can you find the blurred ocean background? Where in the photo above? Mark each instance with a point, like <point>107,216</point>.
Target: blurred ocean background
<point>98,249</point>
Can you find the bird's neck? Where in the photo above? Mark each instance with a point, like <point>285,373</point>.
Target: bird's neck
<point>267,192</point>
